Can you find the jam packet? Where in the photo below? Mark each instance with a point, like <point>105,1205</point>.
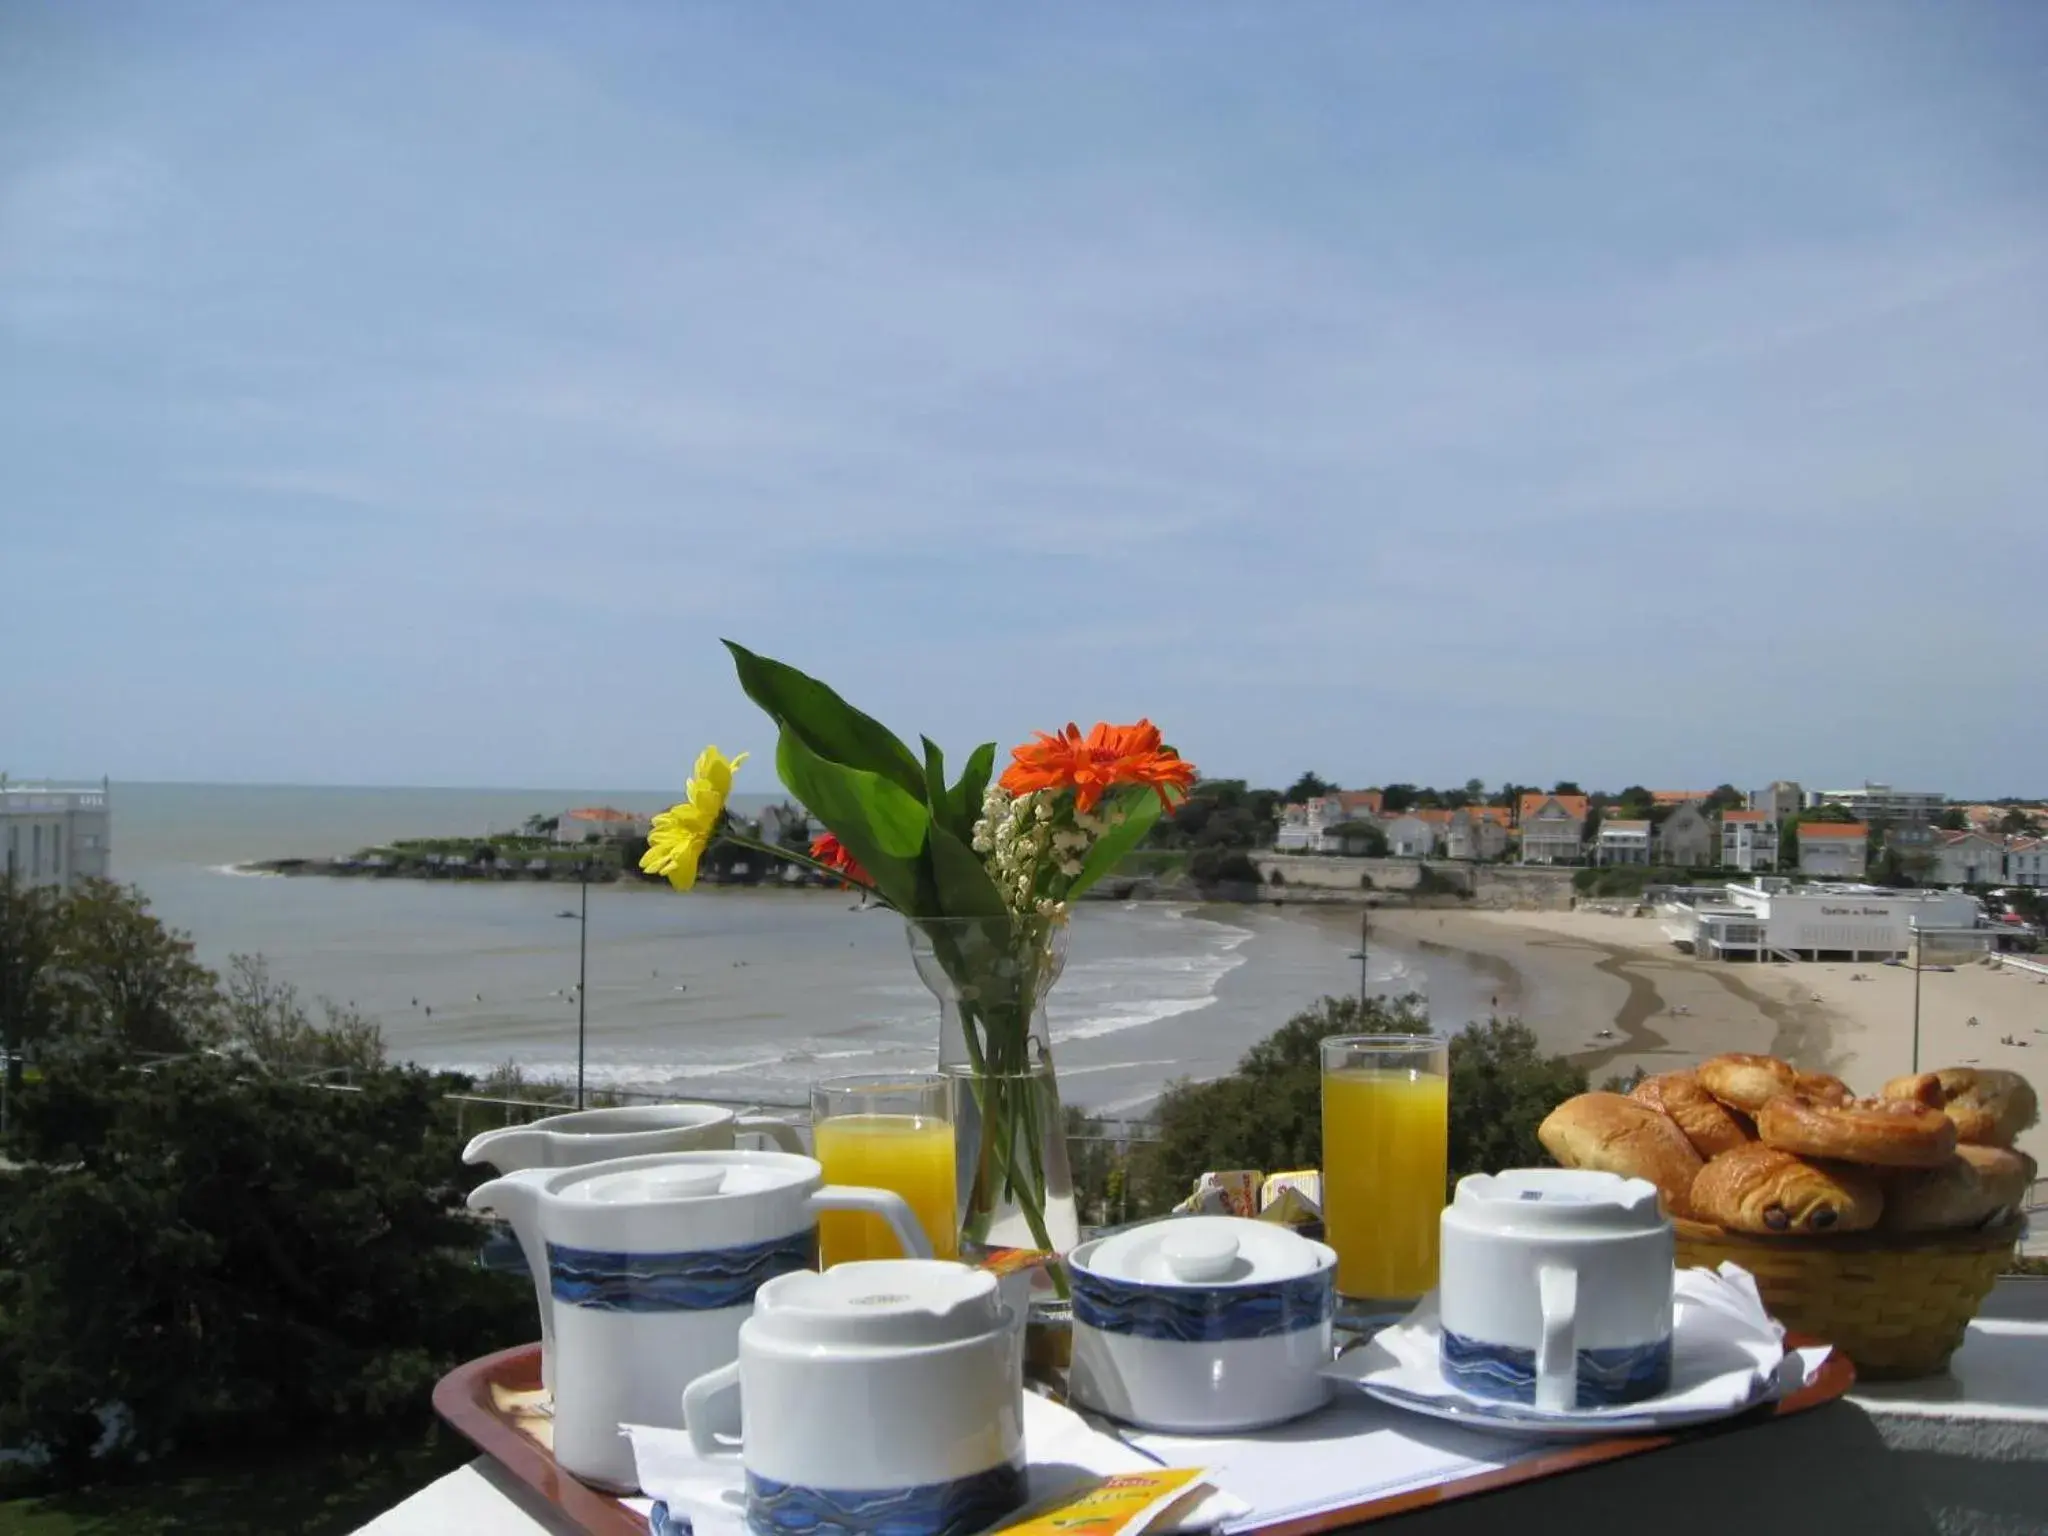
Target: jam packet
<point>1121,1504</point>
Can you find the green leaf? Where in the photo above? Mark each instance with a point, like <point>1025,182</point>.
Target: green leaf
<point>881,825</point>
<point>964,886</point>
<point>1141,808</point>
<point>973,785</point>
<point>935,783</point>
<point>829,726</point>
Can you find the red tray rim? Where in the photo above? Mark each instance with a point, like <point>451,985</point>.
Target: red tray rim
<point>463,1398</point>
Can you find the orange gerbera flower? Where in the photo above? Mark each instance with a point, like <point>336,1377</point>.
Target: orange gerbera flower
<point>1093,765</point>
<point>831,853</point>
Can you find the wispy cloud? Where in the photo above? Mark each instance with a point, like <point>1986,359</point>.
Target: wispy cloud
<point>1410,394</point>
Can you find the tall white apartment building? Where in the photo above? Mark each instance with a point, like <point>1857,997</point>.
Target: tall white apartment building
<point>54,834</point>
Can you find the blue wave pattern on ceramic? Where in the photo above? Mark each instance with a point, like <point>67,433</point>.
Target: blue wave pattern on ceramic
<point>1205,1314</point>
<point>1607,1377</point>
<point>953,1508</point>
<point>661,1523</point>
<point>702,1281</point>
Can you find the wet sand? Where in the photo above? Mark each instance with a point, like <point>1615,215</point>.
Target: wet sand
<point>1614,994</point>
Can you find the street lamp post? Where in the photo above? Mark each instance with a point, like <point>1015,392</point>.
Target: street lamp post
<point>1360,954</point>
<point>1916,995</point>
<point>582,920</point>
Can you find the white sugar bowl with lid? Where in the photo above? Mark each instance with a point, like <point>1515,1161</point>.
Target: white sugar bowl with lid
<point>1555,1289</point>
<point>883,1395</point>
<point>1200,1323</point>
<point>644,1268</point>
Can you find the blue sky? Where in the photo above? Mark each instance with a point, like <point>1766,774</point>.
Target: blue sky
<point>415,393</point>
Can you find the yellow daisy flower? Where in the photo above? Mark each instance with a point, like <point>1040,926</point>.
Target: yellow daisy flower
<point>682,832</point>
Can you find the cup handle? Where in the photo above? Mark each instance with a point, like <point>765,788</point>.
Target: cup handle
<point>700,1395</point>
<point>1557,1361</point>
<point>885,1203</point>
<point>781,1132</point>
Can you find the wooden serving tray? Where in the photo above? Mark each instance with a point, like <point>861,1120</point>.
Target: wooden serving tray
<point>491,1402</point>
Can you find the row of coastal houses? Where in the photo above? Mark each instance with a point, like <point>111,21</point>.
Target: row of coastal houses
<point>1355,821</point>
<point>1554,829</point>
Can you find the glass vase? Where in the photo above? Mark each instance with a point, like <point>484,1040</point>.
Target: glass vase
<point>991,977</point>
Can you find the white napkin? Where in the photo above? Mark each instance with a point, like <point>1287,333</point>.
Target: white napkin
<point>1726,1354</point>
<point>708,1498</point>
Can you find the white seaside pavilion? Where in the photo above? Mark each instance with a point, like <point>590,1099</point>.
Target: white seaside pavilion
<point>1772,919</point>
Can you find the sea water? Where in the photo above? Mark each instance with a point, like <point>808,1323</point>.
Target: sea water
<point>732,992</point>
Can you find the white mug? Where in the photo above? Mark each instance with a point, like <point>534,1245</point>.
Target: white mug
<point>598,1135</point>
<point>645,1269</point>
<point>1555,1289</point>
<point>885,1393</point>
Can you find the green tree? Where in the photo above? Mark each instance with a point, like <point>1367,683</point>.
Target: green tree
<point>1268,1114</point>
<point>1222,866</point>
<point>1566,787</point>
<point>238,1262</point>
<point>1726,797</point>
<point>30,921</point>
<point>1396,798</point>
<point>1953,820</point>
<point>268,1024</point>
<point>2019,823</point>
<point>1635,803</point>
<point>1369,835</point>
<point>121,975</point>
<point>1310,786</point>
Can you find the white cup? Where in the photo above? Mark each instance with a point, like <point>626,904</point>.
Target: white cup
<point>1556,1289</point>
<point>880,1393</point>
<point>634,1130</point>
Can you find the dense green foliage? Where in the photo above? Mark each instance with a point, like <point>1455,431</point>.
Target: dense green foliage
<point>1628,880</point>
<point>222,1249</point>
<point>234,1260</point>
<point>1268,1115</point>
<point>1220,814</point>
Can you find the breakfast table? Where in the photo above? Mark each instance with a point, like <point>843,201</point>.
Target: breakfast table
<point>1965,1451</point>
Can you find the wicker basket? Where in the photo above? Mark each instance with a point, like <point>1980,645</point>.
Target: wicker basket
<point>1896,1307</point>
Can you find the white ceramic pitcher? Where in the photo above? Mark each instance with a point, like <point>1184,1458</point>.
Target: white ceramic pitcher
<point>598,1135</point>
<point>645,1267</point>
<point>885,1396</point>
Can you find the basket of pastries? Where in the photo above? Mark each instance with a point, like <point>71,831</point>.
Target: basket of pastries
<point>1878,1224</point>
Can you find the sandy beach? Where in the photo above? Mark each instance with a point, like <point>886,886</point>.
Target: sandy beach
<point>1614,994</point>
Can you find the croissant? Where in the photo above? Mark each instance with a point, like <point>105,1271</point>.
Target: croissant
<point>1612,1134</point>
<point>1990,1107</point>
<point>1708,1124</point>
<point>1761,1189</point>
<point>1746,1082</point>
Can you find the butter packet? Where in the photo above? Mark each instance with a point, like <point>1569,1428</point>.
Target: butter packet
<point>1122,1504</point>
<point>1306,1184</point>
<point>1234,1192</point>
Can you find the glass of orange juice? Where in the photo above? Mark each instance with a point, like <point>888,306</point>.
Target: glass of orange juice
<point>1386,1144</point>
<point>891,1133</point>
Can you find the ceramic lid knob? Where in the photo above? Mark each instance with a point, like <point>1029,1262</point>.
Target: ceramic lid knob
<point>1200,1253</point>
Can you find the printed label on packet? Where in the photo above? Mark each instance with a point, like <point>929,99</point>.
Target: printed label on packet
<point>1119,1505</point>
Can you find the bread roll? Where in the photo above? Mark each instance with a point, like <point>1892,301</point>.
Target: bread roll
<point>2008,1176</point>
<point>1990,1107</point>
<point>1978,1185</point>
<point>1822,1088</point>
<point>1709,1125</point>
<point>1880,1133</point>
<point>1746,1082</point>
<point>1761,1189</point>
<point>1612,1134</point>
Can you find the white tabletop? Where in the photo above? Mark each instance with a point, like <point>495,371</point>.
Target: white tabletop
<point>2000,1373</point>
<point>1992,1405</point>
<point>481,1498</point>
